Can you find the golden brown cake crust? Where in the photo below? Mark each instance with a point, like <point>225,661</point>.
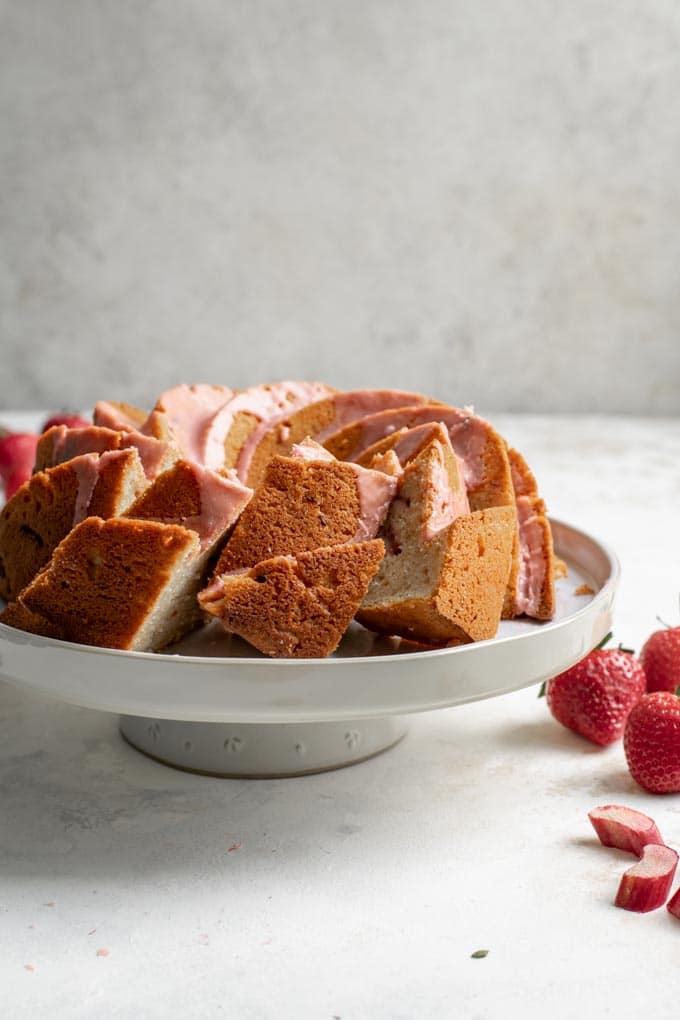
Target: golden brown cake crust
<point>523,479</point>
<point>302,505</point>
<point>33,523</point>
<point>175,494</point>
<point>121,479</point>
<point>105,578</point>
<point>299,607</point>
<point>466,595</point>
<point>21,618</point>
<point>44,510</point>
<point>318,418</point>
<point>278,441</point>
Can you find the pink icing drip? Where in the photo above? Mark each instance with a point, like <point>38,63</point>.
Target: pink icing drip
<point>222,500</point>
<point>355,404</point>
<point>190,411</point>
<point>449,502</point>
<point>468,435</point>
<point>376,489</point>
<point>152,452</point>
<point>86,470</point>
<point>413,440</point>
<point>109,417</point>
<point>68,443</point>
<point>309,450</point>
<point>270,406</point>
<point>532,558</point>
<point>376,492</point>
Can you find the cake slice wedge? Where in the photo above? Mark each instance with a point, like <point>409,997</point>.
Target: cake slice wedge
<point>445,570</point>
<point>43,511</point>
<point>195,498</point>
<point>295,606</point>
<point>120,584</point>
<point>304,504</point>
<point>61,443</point>
<point>330,412</point>
<point>534,580</point>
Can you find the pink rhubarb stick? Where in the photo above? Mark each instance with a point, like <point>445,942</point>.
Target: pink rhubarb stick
<point>624,828</point>
<point>646,885</point>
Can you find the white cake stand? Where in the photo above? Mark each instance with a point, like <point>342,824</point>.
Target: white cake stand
<point>214,706</point>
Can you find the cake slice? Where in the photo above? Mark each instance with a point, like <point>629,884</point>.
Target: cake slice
<point>119,584</point>
<point>330,412</point>
<point>43,511</point>
<point>195,498</point>
<point>534,583</point>
<point>486,469</point>
<point>238,427</point>
<point>445,570</point>
<point>304,504</point>
<point>482,453</point>
<point>118,416</point>
<point>295,606</point>
<point>61,443</point>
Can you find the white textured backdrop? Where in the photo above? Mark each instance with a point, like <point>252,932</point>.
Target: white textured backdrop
<point>480,199</point>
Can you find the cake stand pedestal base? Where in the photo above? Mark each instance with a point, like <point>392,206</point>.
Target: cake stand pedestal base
<point>261,750</point>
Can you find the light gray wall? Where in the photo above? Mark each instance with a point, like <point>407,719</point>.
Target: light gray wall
<point>480,199</point>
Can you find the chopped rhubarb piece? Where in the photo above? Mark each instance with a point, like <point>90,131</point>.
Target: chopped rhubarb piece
<point>646,885</point>
<point>624,828</point>
<point>673,904</point>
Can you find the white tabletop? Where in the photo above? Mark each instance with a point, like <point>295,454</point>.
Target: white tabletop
<point>130,889</point>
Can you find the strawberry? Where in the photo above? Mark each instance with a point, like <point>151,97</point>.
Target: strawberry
<point>595,696</point>
<point>660,658</point>
<point>652,742</point>
<point>646,885</point>
<point>17,457</point>
<point>71,421</point>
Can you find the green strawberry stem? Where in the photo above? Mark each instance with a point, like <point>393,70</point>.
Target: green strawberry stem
<point>663,623</point>
<point>544,687</point>
<point>603,642</point>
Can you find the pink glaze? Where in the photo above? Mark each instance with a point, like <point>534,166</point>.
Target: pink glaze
<point>450,501</point>
<point>376,489</point>
<point>271,405</point>
<point>532,559</point>
<point>308,449</point>
<point>468,435</point>
<point>86,469</point>
<point>376,492</point>
<point>412,441</point>
<point>222,501</point>
<point>68,443</point>
<point>108,416</point>
<point>190,411</point>
<point>153,453</point>
<point>355,404</point>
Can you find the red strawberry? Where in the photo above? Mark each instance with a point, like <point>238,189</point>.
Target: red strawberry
<point>17,457</point>
<point>646,885</point>
<point>595,696</point>
<point>71,421</point>
<point>660,658</point>
<point>652,742</point>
